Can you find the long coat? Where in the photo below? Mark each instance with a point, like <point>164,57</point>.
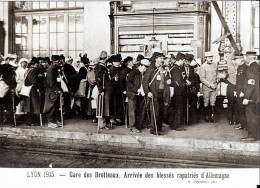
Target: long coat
<point>33,104</point>
<point>52,86</point>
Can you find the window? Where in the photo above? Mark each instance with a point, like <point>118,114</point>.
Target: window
<point>42,31</point>
<point>256,29</point>
<point>21,36</point>
<point>75,35</point>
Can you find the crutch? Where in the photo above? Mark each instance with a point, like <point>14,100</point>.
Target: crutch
<point>13,105</point>
<point>100,103</point>
<point>61,110</point>
<point>155,124</point>
<point>125,111</point>
<point>40,99</point>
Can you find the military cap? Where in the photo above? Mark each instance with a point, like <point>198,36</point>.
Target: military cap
<point>145,62</point>
<point>208,54</point>
<point>55,57</point>
<point>251,53</point>
<point>157,54</point>
<point>180,56</point>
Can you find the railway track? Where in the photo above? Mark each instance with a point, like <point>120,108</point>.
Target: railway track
<point>118,158</point>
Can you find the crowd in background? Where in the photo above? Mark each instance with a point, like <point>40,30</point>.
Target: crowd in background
<point>140,92</point>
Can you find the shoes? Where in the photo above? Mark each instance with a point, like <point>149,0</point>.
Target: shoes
<point>59,123</point>
<point>238,127</point>
<point>180,129</point>
<point>248,139</point>
<point>154,132</point>
<point>53,125</point>
<point>134,130</point>
<point>95,120</point>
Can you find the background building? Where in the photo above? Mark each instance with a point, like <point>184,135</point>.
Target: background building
<point>45,28</point>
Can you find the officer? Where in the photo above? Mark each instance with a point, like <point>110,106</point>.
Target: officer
<point>208,77</point>
<point>135,94</point>
<point>231,89</point>
<point>178,82</point>
<point>240,91</point>
<point>251,100</point>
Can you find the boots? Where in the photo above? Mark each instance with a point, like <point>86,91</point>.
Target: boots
<point>207,113</point>
<point>213,116</point>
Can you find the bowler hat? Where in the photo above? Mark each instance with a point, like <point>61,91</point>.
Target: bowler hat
<point>180,56</point>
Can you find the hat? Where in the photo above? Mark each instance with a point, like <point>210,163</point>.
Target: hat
<point>208,54</point>
<point>118,58</point>
<point>238,56</point>
<point>11,56</point>
<point>251,53</point>
<point>103,55</point>
<point>139,57</point>
<point>68,59</point>
<point>180,56</point>
<point>23,60</point>
<point>172,56</point>
<point>128,58</point>
<point>62,57</point>
<point>34,60</point>
<point>13,64</point>
<point>157,54</point>
<point>145,62</point>
<point>55,57</point>
<point>189,57</point>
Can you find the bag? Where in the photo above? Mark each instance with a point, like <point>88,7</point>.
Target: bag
<point>25,91</point>
<point>91,77</point>
<point>81,92</point>
<point>3,89</point>
<point>63,86</point>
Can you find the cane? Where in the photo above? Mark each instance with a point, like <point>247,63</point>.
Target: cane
<point>155,124</point>
<point>187,105</point>
<point>100,103</point>
<point>125,111</point>
<point>14,109</point>
<point>40,99</point>
<point>147,111</point>
<point>61,110</point>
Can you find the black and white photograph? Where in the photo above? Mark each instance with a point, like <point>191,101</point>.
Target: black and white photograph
<point>110,93</point>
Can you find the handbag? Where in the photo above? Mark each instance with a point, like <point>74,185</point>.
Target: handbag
<point>3,89</point>
<point>26,90</point>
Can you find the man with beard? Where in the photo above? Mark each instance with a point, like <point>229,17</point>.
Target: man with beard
<point>53,91</point>
<point>70,78</point>
<point>191,89</point>
<point>7,75</point>
<point>114,72</point>
<point>135,94</point>
<point>178,82</point>
<point>157,89</point>
<point>251,100</point>
<point>33,105</point>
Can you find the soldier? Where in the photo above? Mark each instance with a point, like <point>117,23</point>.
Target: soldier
<point>114,73</point>
<point>191,89</point>
<point>208,77</point>
<point>53,87</point>
<point>138,60</point>
<point>240,90</point>
<point>231,90</point>
<point>251,98</point>
<point>178,83</point>
<point>7,75</point>
<point>156,87</point>
<point>33,104</point>
<point>135,94</point>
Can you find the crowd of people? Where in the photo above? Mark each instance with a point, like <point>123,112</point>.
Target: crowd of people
<point>137,93</point>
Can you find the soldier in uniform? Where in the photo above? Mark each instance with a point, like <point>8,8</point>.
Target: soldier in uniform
<point>208,77</point>
<point>178,83</point>
<point>156,87</point>
<point>231,90</point>
<point>251,98</point>
<point>240,90</point>
<point>53,86</point>
<point>135,94</point>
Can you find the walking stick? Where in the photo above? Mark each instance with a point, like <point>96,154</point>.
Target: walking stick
<point>40,99</point>
<point>155,124</point>
<point>147,111</point>
<point>100,102</point>
<point>14,109</point>
<point>125,111</point>
<point>187,105</point>
<point>61,110</point>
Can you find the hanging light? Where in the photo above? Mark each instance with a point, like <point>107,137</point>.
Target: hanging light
<point>153,42</point>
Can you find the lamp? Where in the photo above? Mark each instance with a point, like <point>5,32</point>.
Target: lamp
<point>153,42</point>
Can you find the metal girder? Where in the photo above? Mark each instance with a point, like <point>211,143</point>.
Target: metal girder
<point>226,28</point>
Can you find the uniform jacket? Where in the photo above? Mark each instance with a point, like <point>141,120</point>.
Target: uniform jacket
<point>35,77</point>
<point>241,75</point>
<point>208,75</point>
<point>133,83</point>
<point>252,83</point>
<point>177,80</point>
<point>52,86</point>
